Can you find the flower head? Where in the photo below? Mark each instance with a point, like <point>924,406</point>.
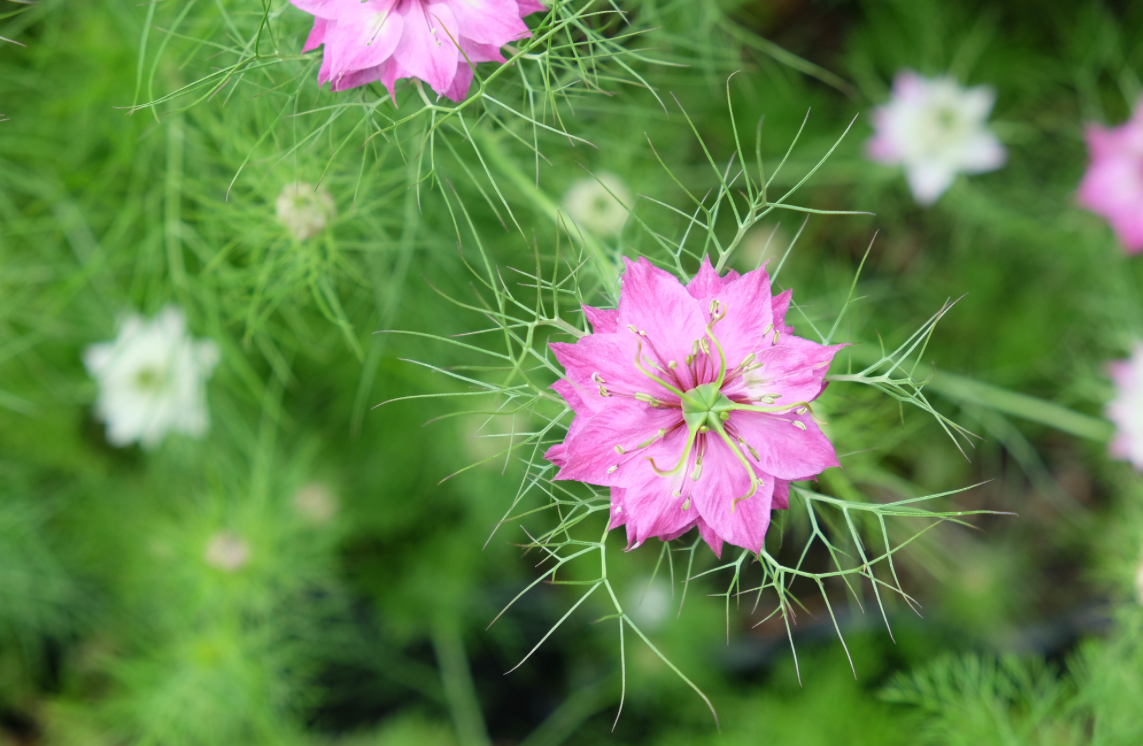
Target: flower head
<point>434,40</point>
<point>935,129</point>
<point>591,205</point>
<point>693,405</point>
<point>1126,409</point>
<point>304,210</point>
<point>152,379</point>
<point>1113,184</point>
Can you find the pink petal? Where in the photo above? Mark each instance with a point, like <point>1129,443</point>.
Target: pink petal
<point>653,301</point>
<point>460,84</point>
<point>317,35</point>
<point>602,320</point>
<point>495,22</point>
<point>608,358</point>
<point>427,49</point>
<point>652,512</point>
<point>706,283</point>
<point>578,399</point>
<point>795,369</point>
<point>364,37</point>
<point>530,6</point>
<point>591,450</point>
<point>749,316</point>
<point>710,536</point>
<point>477,52</point>
<point>781,498</point>
<point>723,480</point>
<point>784,450</point>
<point>327,9</point>
<point>779,308</point>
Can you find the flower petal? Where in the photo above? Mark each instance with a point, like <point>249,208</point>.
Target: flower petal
<point>794,370</point>
<point>317,35</point>
<point>495,22</point>
<point>723,480</point>
<point>364,37</point>
<point>652,512</point>
<point>592,454</point>
<point>785,450</point>
<point>602,320</point>
<point>427,49</point>
<point>653,301</point>
<point>706,282</point>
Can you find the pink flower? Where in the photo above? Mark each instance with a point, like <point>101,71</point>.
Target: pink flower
<point>935,129</point>
<point>692,405</point>
<point>387,40</point>
<point>1126,409</point>
<point>1113,184</point>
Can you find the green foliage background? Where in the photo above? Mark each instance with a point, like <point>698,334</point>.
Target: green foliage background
<point>369,627</point>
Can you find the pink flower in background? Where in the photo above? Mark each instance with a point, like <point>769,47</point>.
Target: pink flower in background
<point>692,405</point>
<point>1126,409</point>
<point>387,40</point>
<point>935,129</point>
<point>1113,184</point>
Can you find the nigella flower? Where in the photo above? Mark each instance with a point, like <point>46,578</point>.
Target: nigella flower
<point>693,405</point>
<point>1113,184</point>
<point>304,210</point>
<point>935,129</point>
<point>152,379</point>
<point>1126,409</point>
<point>591,205</point>
<point>387,40</point>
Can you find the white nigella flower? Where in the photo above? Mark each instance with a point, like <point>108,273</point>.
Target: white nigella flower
<point>1126,409</point>
<point>152,379</point>
<point>594,209</point>
<point>935,129</point>
<point>304,210</point>
<point>227,551</point>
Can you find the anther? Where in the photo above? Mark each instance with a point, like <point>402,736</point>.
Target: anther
<point>777,333</point>
<point>596,378</point>
<point>611,469</point>
<point>620,450</point>
<point>724,416</point>
<point>803,410</point>
<point>713,306</point>
<point>690,360</point>
<point>631,328</point>
<point>687,504</point>
<point>697,472</point>
<point>799,424</point>
<point>747,360</point>
<point>648,399</point>
<point>677,493</point>
<point>705,345</point>
<point>672,364</point>
<point>604,392</point>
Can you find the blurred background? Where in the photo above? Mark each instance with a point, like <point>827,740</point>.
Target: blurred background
<point>307,572</point>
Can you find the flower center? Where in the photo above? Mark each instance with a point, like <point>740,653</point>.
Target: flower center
<point>705,408</point>
<point>151,379</point>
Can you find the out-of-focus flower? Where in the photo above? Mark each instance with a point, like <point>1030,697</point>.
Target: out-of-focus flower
<point>1125,410</point>
<point>693,405</point>
<point>1113,184</point>
<point>227,551</point>
<point>386,40</point>
<point>935,129</point>
<point>650,604</point>
<point>152,379</point>
<point>590,205</point>
<point>304,210</point>
<point>316,504</point>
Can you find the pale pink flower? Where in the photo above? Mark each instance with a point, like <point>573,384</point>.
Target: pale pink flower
<point>1113,184</point>
<point>387,40</point>
<point>935,129</point>
<point>1126,409</point>
<point>692,405</point>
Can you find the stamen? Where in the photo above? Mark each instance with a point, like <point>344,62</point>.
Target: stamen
<point>611,469</point>
<point>662,433</point>
<point>687,504</point>
<point>799,424</point>
<point>697,472</point>
<point>672,365</point>
<point>604,392</point>
<point>596,378</point>
<point>620,450</point>
<point>648,399</point>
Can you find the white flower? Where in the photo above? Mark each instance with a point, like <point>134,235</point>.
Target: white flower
<point>152,379</point>
<point>304,210</point>
<point>595,210</point>
<point>227,551</point>
<point>316,504</point>
<point>1126,409</point>
<point>935,129</point>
